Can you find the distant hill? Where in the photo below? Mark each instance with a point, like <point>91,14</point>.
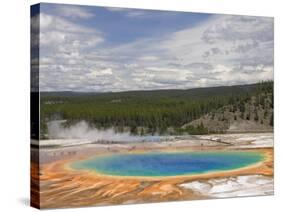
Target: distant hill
<point>65,93</point>
<point>194,111</point>
<point>253,115</point>
<point>192,92</point>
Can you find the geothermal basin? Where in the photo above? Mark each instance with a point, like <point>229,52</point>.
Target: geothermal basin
<point>167,164</point>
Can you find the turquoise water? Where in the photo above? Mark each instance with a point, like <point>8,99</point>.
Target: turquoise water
<point>156,164</point>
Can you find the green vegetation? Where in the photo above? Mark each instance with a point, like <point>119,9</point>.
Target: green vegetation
<point>193,130</point>
<point>149,112</point>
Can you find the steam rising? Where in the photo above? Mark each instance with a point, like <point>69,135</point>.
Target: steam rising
<point>82,130</point>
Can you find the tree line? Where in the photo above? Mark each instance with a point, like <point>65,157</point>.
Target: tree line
<point>155,111</point>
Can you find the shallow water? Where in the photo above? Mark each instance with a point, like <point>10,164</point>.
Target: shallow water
<point>156,164</point>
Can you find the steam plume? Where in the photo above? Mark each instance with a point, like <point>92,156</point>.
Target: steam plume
<point>82,130</point>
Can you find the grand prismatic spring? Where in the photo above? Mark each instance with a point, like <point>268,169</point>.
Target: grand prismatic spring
<point>156,164</point>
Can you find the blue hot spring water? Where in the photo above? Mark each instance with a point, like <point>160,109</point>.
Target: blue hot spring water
<point>157,164</point>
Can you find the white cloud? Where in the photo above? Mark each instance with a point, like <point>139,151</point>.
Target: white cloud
<point>116,9</point>
<point>137,13</point>
<point>97,73</point>
<point>233,42</point>
<point>63,49</point>
<point>72,11</point>
<point>55,30</point>
<point>224,50</point>
<point>148,58</point>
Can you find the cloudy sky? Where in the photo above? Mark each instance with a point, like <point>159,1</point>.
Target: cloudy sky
<point>112,49</point>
